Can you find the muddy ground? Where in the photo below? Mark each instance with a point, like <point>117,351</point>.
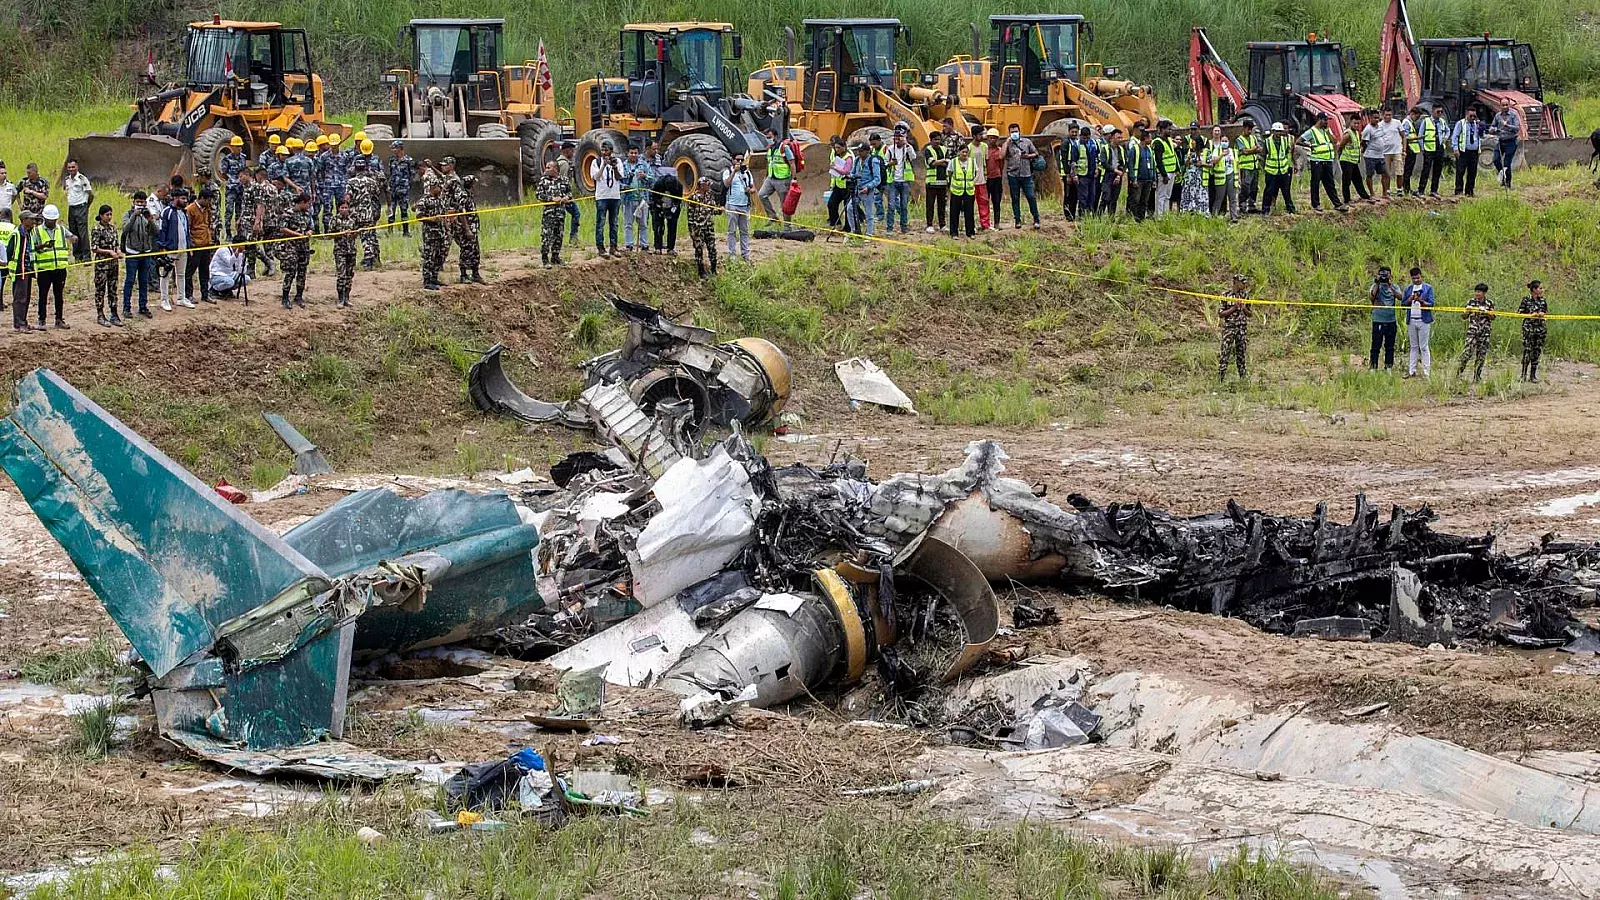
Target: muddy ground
<point>1522,467</point>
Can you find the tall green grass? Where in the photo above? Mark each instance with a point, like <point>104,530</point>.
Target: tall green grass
<point>97,47</point>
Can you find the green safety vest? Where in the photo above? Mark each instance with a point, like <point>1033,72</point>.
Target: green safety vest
<point>833,161</point>
<point>1218,162</point>
<point>1246,145</point>
<point>1352,150</point>
<point>8,237</point>
<point>963,177</point>
<point>1321,144</point>
<point>50,248</point>
<point>1425,137</point>
<point>1080,167</point>
<point>777,163</point>
<point>1166,156</point>
<point>1280,156</point>
<point>936,153</point>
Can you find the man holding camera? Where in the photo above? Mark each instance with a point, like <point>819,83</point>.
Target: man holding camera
<point>1384,299</point>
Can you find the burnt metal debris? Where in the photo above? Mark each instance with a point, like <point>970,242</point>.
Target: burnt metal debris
<point>661,362</point>
<point>698,566</point>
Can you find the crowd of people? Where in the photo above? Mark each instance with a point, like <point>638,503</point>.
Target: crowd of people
<point>186,242</point>
<point>1414,303</point>
<point>194,244</point>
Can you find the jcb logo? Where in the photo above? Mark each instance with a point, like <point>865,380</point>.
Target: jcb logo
<point>192,118</point>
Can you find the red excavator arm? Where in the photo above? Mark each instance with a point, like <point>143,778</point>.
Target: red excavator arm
<point>1398,58</point>
<point>1210,78</point>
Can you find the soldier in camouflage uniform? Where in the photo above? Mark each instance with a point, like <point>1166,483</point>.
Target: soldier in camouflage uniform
<point>262,201</point>
<point>330,187</point>
<point>1533,330</point>
<point>296,254</point>
<point>467,232</point>
<point>702,225</point>
<point>300,172</point>
<point>402,173</point>
<point>435,239</point>
<point>103,247</point>
<point>554,189</point>
<point>343,227</point>
<point>1235,323</point>
<point>1480,322</point>
<point>233,167</point>
<point>365,204</point>
<point>454,192</point>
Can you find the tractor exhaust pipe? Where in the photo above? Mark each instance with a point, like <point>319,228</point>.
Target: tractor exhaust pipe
<point>977,40</point>
<point>788,45</point>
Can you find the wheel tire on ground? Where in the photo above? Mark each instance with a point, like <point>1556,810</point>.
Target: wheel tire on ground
<point>379,134</point>
<point>862,135</point>
<point>208,148</point>
<point>1259,115</point>
<point>697,155</point>
<point>487,130</point>
<point>589,150</point>
<point>806,138</point>
<point>541,143</point>
<point>305,131</point>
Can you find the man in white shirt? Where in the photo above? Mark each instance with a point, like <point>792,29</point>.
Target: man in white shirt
<point>227,271</point>
<point>8,189</point>
<point>606,173</point>
<point>1382,143</point>
<point>80,193</point>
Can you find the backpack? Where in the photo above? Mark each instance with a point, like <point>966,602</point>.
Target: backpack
<point>798,152</point>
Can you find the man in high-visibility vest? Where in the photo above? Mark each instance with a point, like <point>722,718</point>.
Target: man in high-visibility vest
<point>1169,161</point>
<point>1422,143</point>
<point>1440,139</point>
<point>50,248</point>
<point>1250,155</point>
<point>899,173</point>
<point>840,162</point>
<point>1350,157</point>
<point>963,188</point>
<point>1278,165</point>
<point>1318,141</point>
<point>20,262</point>
<point>780,172</point>
<point>1112,157</point>
<point>1081,171</point>
<point>936,189</point>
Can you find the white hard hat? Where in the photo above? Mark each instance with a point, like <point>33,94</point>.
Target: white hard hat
<point>1108,129</point>
<point>51,212</point>
<point>1278,126</point>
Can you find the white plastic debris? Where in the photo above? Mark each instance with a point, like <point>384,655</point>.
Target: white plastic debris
<point>866,383</point>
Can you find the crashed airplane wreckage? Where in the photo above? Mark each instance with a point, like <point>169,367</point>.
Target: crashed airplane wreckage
<point>681,368</point>
<point>696,567</point>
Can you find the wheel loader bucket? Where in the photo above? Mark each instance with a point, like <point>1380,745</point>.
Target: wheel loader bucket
<point>1553,151</point>
<point>496,161</point>
<point>135,162</point>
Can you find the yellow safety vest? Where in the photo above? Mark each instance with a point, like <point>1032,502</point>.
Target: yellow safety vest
<point>833,162</point>
<point>963,177</point>
<point>1247,145</point>
<point>1080,166</point>
<point>1280,156</point>
<point>8,233</point>
<point>1166,156</point>
<point>1321,144</point>
<point>1424,137</point>
<point>777,163</point>
<point>50,248</point>
<point>1352,150</point>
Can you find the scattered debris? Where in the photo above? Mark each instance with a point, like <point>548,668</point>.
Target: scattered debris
<point>580,695</point>
<point>1335,628</point>
<point>864,382</point>
<point>1362,711</point>
<point>916,786</point>
<point>492,785</point>
<point>370,836</point>
<point>1026,615</point>
<point>662,362</point>
<point>308,460</point>
<point>1056,720</point>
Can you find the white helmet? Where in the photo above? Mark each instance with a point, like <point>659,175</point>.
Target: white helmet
<point>51,212</point>
<point>1278,126</point>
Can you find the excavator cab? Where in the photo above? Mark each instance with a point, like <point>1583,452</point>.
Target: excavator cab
<point>665,66</point>
<point>1030,53</point>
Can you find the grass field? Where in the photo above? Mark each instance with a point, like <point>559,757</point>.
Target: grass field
<point>718,848</point>
<point>96,49</point>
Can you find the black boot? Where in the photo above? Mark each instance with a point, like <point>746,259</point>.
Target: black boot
<point>476,278</point>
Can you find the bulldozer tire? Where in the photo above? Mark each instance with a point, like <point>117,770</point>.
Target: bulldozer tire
<point>379,133</point>
<point>589,150</point>
<point>861,135</point>
<point>1259,115</point>
<point>488,130</point>
<point>305,131</point>
<point>208,148</point>
<point>694,156</point>
<point>541,143</point>
<point>806,138</point>
<point>1065,129</point>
